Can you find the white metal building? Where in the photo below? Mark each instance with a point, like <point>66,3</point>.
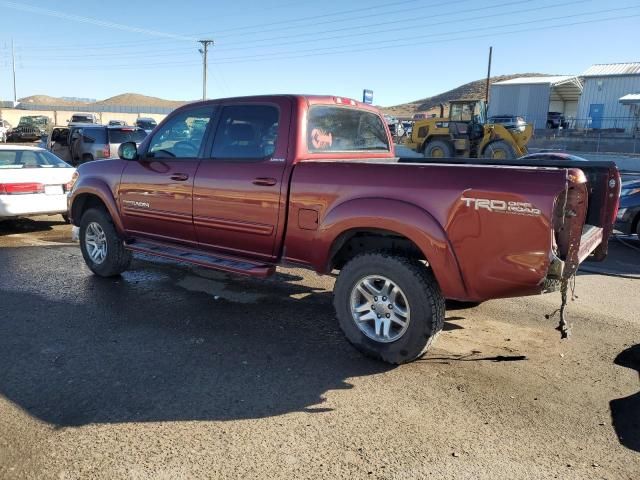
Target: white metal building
<point>608,96</point>
<point>533,97</point>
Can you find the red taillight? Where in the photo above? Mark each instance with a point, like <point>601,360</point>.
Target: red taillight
<point>106,151</point>
<point>20,188</point>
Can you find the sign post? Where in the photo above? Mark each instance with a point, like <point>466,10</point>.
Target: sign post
<point>367,96</point>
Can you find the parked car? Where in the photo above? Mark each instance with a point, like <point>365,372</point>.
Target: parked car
<point>146,123</point>
<point>33,181</point>
<point>117,123</point>
<point>628,218</point>
<point>81,143</point>
<point>555,120</point>
<point>314,181</point>
<point>83,118</point>
<point>510,122</point>
<point>5,127</point>
<point>30,128</point>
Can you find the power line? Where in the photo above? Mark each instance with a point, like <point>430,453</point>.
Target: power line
<point>166,53</point>
<point>251,59</point>
<point>93,21</point>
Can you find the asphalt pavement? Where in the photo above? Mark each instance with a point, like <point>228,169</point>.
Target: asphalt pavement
<point>176,372</point>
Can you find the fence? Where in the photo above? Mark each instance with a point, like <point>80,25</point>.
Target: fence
<point>622,125</point>
<point>96,108</point>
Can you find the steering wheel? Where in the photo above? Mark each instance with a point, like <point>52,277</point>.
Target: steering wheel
<point>184,149</point>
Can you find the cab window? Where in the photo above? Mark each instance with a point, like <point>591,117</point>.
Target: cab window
<point>182,135</point>
<point>246,133</point>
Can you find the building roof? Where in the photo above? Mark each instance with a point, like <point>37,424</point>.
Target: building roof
<point>551,80</point>
<point>608,69</point>
<point>563,87</point>
<point>630,99</point>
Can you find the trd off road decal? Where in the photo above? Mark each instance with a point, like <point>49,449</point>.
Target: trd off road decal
<point>501,206</point>
<point>133,203</point>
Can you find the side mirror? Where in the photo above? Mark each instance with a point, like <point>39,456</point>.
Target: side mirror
<point>128,151</point>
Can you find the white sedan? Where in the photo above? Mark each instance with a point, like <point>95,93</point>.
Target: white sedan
<point>33,181</point>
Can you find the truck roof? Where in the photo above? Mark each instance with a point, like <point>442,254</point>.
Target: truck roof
<point>308,99</point>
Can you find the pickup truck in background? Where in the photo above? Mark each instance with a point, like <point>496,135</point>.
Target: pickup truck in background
<point>245,184</point>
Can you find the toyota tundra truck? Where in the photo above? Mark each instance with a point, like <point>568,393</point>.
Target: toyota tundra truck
<point>246,184</point>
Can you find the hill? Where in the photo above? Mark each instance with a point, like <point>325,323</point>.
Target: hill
<point>134,99</point>
<point>471,90</point>
<point>140,100</point>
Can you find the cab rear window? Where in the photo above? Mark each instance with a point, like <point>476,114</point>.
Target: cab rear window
<point>341,129</point>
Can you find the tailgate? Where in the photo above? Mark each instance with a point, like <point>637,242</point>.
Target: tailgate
<point>585,214</point>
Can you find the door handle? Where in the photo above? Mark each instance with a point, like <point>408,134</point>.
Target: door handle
<point>180,177</point>
<point>265,182</point>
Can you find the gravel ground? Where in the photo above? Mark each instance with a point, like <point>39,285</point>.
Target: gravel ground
<point>176,372</point>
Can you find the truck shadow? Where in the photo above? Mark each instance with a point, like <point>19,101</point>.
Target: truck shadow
<point>76,349</point>
<point>625,412</point>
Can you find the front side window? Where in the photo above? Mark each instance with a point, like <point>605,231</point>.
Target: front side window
<point>182,135</point>
<point>340,129</point>
<point>246,133</point>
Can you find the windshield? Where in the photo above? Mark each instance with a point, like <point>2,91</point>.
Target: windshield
<point>82,118</point>
<point>32,121</point>
<point>146,124</point>
<point>30,159</point>
<point>122,135</point>
<point>341,129</point>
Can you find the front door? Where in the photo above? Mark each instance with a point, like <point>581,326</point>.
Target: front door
<point>237,207</point>
<point>156,191</point>
<point>596,111</point>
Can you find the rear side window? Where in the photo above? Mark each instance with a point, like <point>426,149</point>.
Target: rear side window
<point>340,129</point>
<point>29,159</point>
<point>95,135</point>
<point>122,135</point>
<point>246,133</point>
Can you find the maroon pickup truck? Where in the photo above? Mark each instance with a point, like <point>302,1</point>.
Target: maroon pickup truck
<point>245,184</point>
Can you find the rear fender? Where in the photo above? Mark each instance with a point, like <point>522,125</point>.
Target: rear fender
<point>93,187</point>
<point>406,220</point>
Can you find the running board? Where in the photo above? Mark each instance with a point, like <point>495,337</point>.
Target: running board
<point>215,262</point>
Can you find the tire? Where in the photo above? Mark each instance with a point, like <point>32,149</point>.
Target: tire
<point>424,304</point>
<point>65,217</point>
<point>438,149</point>
<point>117,259</point>
<point>499,150</point>
<point>86,158</point>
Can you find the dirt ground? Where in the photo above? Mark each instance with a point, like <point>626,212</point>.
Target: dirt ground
<point>176,372</point>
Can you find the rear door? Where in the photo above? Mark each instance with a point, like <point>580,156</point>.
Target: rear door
<point>237,203</point>
<point>155,192</point>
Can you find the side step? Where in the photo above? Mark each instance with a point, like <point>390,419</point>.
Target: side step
<point>216,262</point>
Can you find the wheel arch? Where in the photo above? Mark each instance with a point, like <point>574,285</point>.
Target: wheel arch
<point>93,193</point>
<point>407,228</point>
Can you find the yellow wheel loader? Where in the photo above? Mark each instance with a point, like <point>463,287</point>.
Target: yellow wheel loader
<point>466,133</point>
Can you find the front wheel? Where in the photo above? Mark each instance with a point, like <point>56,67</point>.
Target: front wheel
<point>499,150</point>
<point>102,248</point>
<point>389,307</point>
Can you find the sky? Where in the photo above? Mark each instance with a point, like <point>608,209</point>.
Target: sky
<point>403,50</point>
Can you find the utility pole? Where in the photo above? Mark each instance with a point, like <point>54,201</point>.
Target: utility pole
<point>204,50</point>
<point>13,65</point>
<point>486,94</point>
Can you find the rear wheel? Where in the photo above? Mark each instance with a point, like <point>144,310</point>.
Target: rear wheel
<point>389,307</point>
<point>499,150</point>
<point>438,149</point>
<point>102,248</point>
